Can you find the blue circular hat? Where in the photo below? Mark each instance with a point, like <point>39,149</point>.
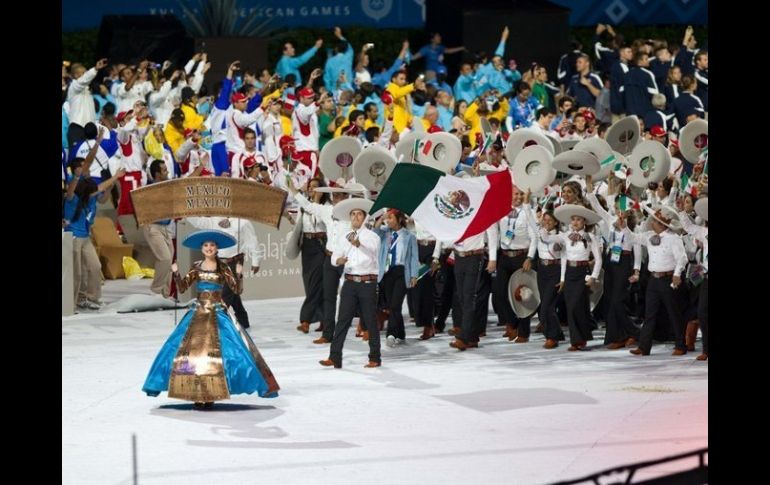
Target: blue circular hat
<point>196,239</point>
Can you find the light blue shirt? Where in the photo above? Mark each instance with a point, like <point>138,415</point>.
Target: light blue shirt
<point>290,65</point>
<point>335,64</point>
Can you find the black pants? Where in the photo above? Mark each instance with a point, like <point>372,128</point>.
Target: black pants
<point>659,292</point>
<point>481,303</point>
<point>703,313</point>
<point>506,266</point>
<point>576,300</point>
<point>312,279</point>
<point>449,299</point>
<point>619,325</point>
<point>467,270</point>
<point>547,281</point>
<point>234,301</point>
<point>394,288</point>
<point>364,297</point>
<point>331,284</point>
<point>423,298</point>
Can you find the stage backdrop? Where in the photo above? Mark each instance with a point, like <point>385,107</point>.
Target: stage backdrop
<point>278,277</point>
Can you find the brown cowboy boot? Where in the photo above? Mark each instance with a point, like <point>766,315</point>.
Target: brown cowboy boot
<point>427,332</point>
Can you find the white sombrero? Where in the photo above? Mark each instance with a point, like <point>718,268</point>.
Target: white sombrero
<point>342,210</point>
<point>405,146</point>
<point>702,208</point>
<point>524,137</point>
<point>567,145</point>
<point>557,147</point>
<point>624,134</point>
<point>650,161</point>
<point>523,293</point>
<point>666,212</point>
<point>596,290</point>
<point>337,157</point>
<point>533,169</point>
<point>693,138</point>
<point>576,162</point>
<point>349,187</point>
<point>602,151</point>
<point>373,166</point>
<point>565,212</point>
<point>441,151</point>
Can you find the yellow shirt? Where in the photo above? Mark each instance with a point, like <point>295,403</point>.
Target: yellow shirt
<point>472,118</point>
<point>346,113</point>
<point>174,137</point>
<point>192,120</point>
<point>286,125</point>
<point>401,115</point>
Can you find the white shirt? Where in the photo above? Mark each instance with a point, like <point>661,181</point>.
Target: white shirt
<point>699,233</point>
<point>130,139</point>
<point>476,242</point>
<point>126,99</point>
<point>272,132</point>
<point>545,249</point>
<point>613,235</point>
<point>333,226</point>
<point>237,169</point>
<point>669,255</point>
<point>81,101</point>
<point>235,122</point>
<point>304,124</point>
<point>241,229</point>
<point>524,237</point>
<point>362,260</point>
<point>311,222</point>
<point>101,157</point>
<point>422,234</point>
<point>578,251</point>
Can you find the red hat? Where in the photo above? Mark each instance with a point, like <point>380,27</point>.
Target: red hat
<point>239,97</point>
<point>249,162</point>
<point>306,93</point>
<point>434,129</point>
<point>122,115</point>
<point>290,101</point>
<point>657,130</point>
<point>188,132</point>
<point>589,115</point>
<point>287,145</point>
<point>395,212</point>
<point>285,140</point>
<point>386,97</point>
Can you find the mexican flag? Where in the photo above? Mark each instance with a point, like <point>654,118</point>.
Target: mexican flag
<point>450,208</point>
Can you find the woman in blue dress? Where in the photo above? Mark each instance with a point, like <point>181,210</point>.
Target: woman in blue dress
<point>208,356</point>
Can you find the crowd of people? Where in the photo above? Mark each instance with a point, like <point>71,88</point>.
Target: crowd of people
<point>128,125</point>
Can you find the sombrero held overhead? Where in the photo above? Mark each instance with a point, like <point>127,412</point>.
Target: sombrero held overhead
<point>702,208</point>
<point>602,151</point>
<point>693,138</point>
<point>576,162</point>
<point>624,134</point>
<point>650,161</point>
<point>337,157</point>
<point>524,137</point>
<point>441,151</point>
<point>373,166</point>
<point>533,168</point>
